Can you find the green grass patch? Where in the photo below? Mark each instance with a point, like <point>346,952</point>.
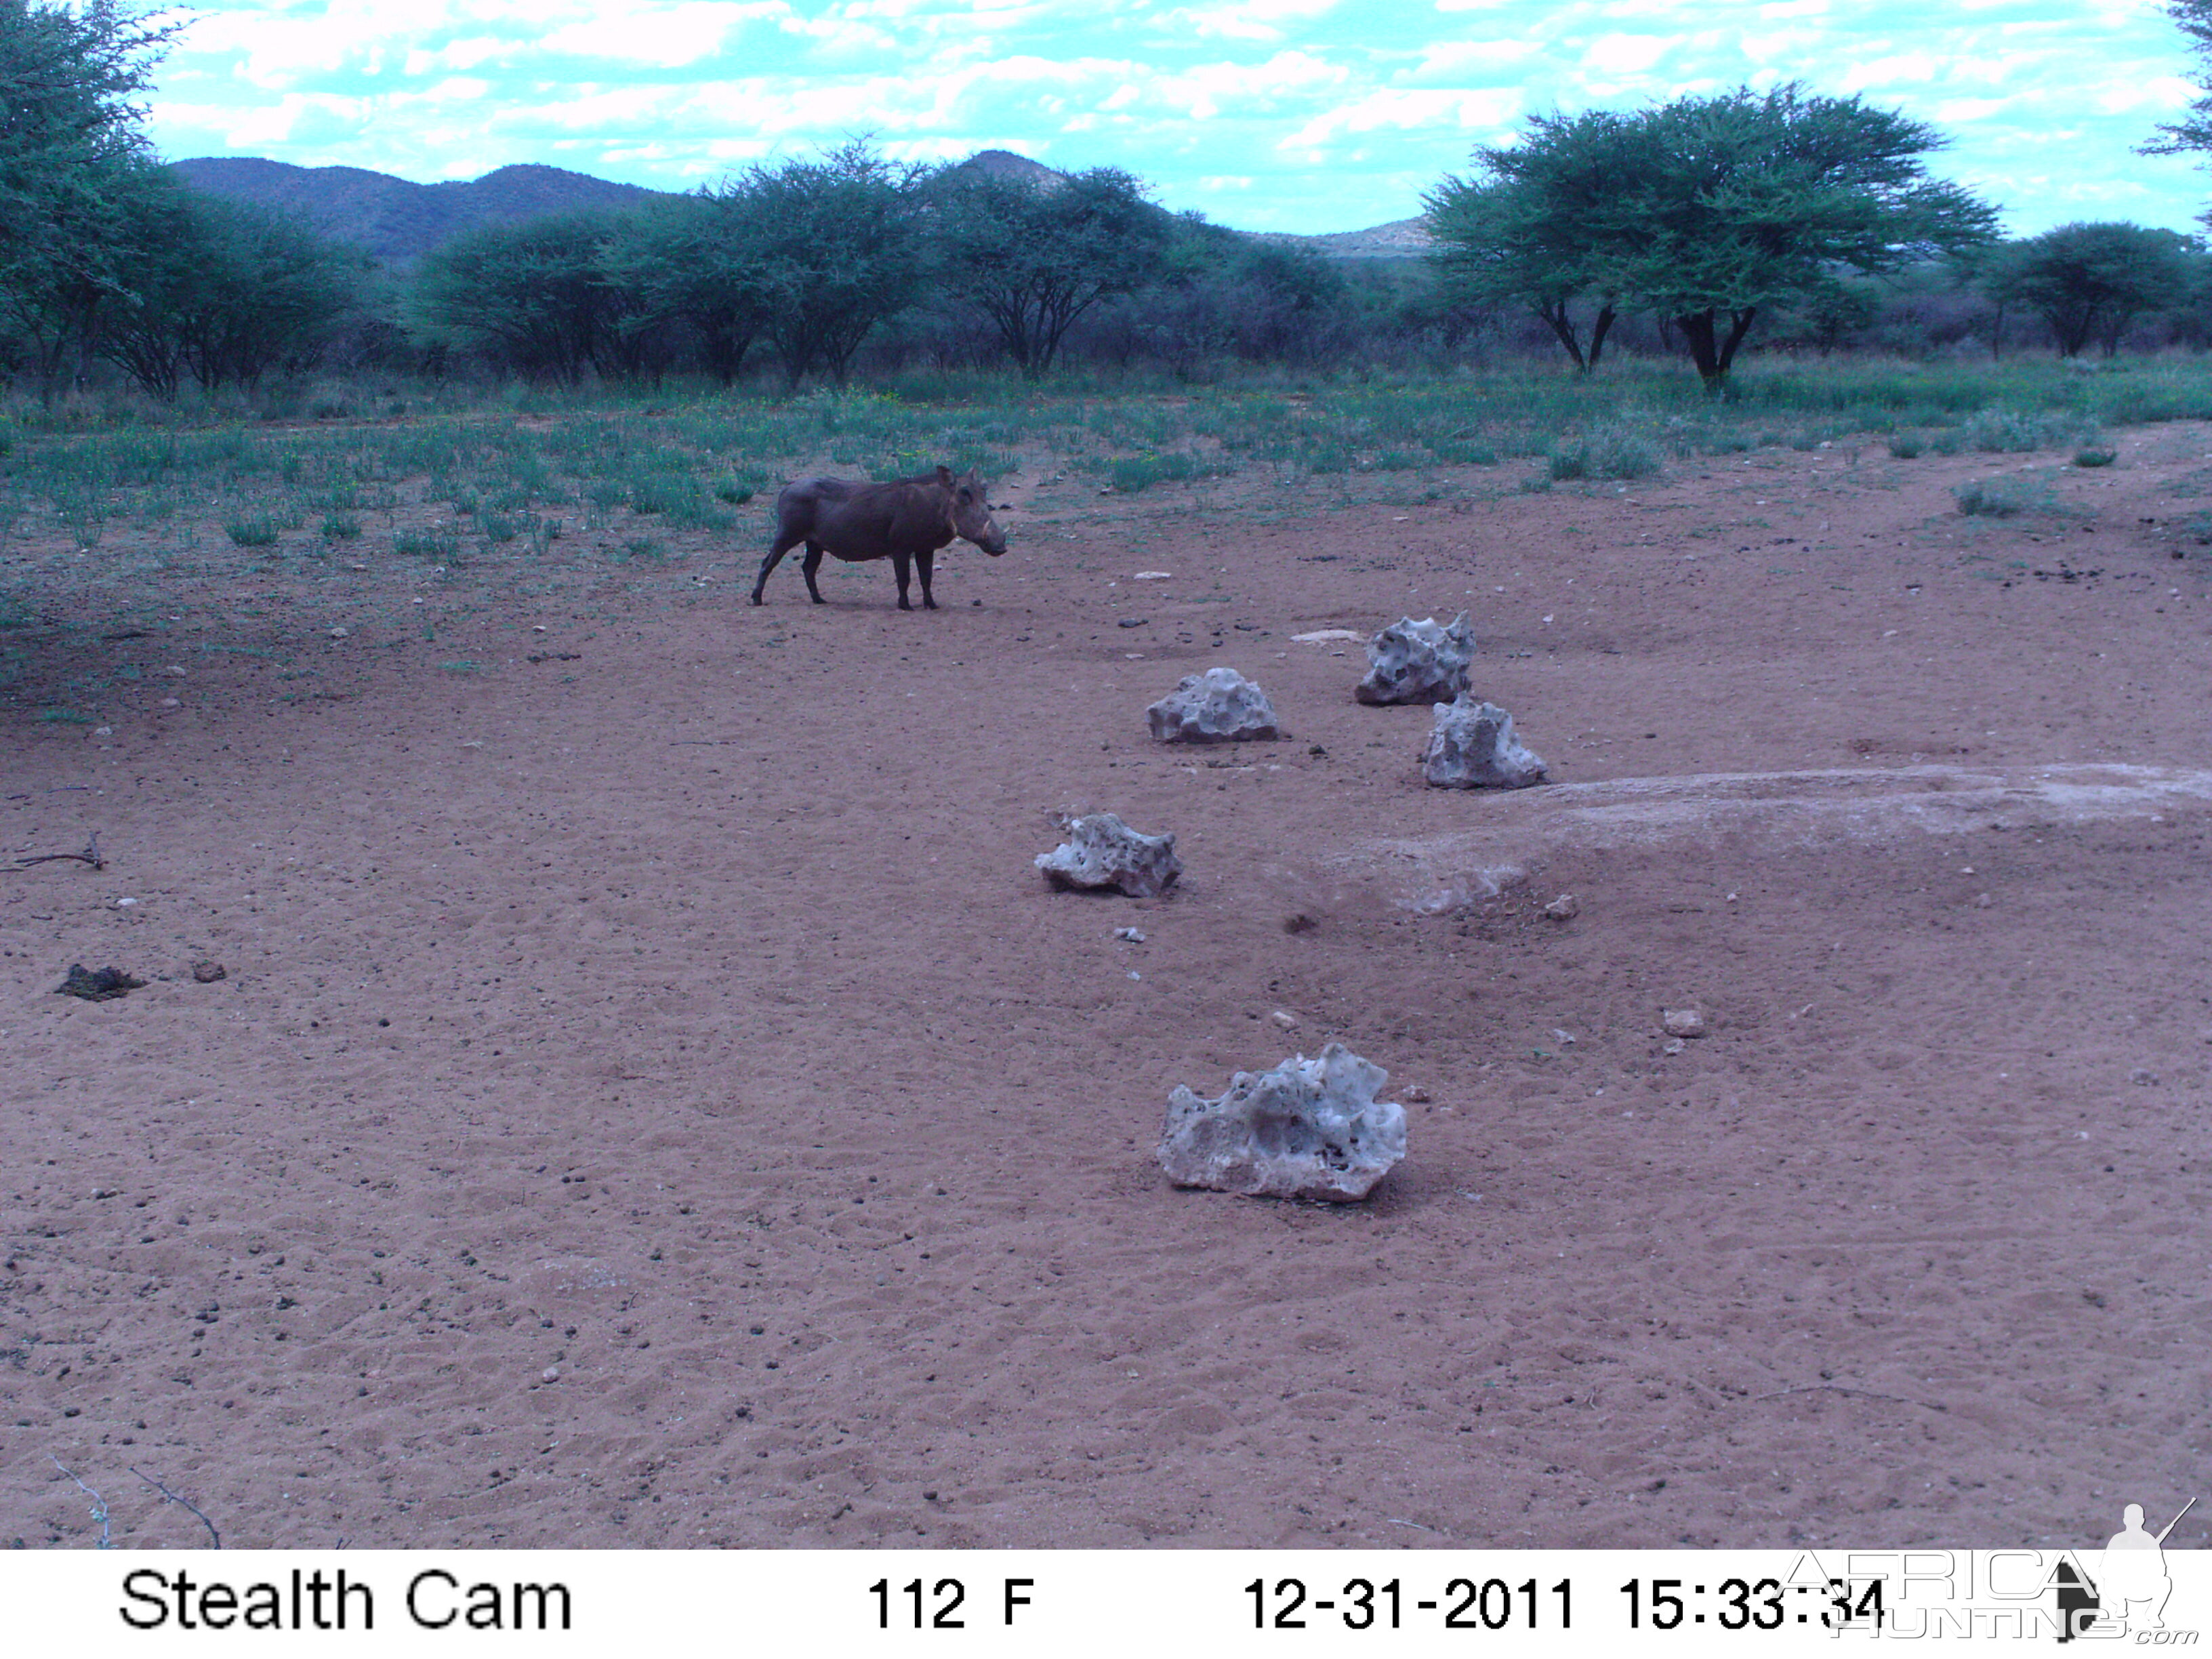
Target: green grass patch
<point>426,543</point>
<point>2005,497</point>
<point>257,531</point>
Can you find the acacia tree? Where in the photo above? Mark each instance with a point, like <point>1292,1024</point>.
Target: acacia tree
<point>2090,281</point>
<point>701,263</point>
<point>2194,131</point>
<point>841,239</point>
<point>1520,232</point>
<point>532,293</point>
<point>1711,210</point>
<point>1033,255</point>
<point>71,153</point>
<point>224,290</point>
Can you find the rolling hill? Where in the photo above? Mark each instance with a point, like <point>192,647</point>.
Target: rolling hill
<point>400,220</point>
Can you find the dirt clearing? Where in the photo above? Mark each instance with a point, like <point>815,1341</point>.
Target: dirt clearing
<point>652,1100</point>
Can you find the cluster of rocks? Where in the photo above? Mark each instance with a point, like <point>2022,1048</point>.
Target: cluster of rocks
<point>1309,1128</point>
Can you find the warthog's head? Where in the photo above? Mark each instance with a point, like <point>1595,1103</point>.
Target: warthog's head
<point>971,511</point>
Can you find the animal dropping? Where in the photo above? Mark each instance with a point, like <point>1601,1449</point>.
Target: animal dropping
<point>1309,1129</point>
<point>1101,852</point>
<point>100,985</point>
<point>905,521</point>
<point>1219,706</point>
<point>1419,661</point>
<point>1472,746</point>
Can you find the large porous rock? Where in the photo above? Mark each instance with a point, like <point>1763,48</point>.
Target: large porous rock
<point>1419,661</point>
<point>1100,851</point>
<point>1219,706</point>
<point>1310,1128</point>
<point>1472,746</point>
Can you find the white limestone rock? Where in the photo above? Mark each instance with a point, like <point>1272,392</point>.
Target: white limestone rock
<point>1419,661</point>
<point>1219,706</point>
<point>1102,851</point>
<point>1309,1129</point>
<point>1472,746</point>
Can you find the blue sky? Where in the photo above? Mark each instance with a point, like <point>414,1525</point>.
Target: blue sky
<point>1297,115</point>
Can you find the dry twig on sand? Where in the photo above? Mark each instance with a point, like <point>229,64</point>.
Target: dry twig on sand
<point>1863,1394</point>
<point>186,1502</point>
<point>98,1503</point>
<point>90,855</point>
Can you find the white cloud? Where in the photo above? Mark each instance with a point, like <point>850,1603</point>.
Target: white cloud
<point>661,36</point>
<point>1407,110</point>
<point>1310,114</point>
<point>1472,63</point>
<point>1625,54</point>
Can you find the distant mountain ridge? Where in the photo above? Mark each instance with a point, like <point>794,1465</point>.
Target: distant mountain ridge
<point>400,220</point>
<point>396,219</point>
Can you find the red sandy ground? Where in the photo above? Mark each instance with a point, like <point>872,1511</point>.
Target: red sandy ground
<point>654,1100</point>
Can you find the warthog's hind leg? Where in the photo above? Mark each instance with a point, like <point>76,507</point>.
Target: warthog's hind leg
<point>783,545</point>
<point>925,562</point>
<point>808,566</point>
<point>901,567</point>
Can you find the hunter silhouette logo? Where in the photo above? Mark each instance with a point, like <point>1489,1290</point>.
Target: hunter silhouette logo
<point>2130,1586</point>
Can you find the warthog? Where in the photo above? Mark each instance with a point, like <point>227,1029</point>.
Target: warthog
<point>905,521</point>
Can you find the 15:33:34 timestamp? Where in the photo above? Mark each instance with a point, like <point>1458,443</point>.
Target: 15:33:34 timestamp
<point>1746,1604</point>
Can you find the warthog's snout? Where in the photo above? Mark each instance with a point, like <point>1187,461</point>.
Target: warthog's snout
<point>993,540</point>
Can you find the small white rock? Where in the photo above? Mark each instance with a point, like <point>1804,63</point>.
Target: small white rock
<point>1673,1046</point>
<point>1155,575</point>
<point>174,670</point>
<point>171,702</point>
<point>340,633</point>
<point>1135,936</point>
<point>1284,1018</point>
<point>1565,908</point>
<point>124,903</point>
<point>1682,1022</point>
<point>550,1374</point>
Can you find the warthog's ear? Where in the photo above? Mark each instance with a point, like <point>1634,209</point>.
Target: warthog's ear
<point>944,475</point>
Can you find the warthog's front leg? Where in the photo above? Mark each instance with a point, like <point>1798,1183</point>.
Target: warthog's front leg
<point>925,562</point>
<point>808,566</point>
<point>901,567</point>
